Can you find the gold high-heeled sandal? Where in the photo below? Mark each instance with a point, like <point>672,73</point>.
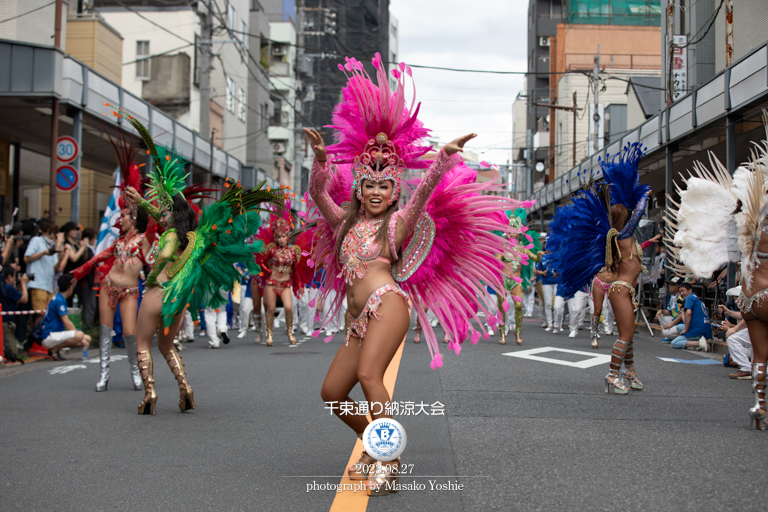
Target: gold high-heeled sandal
<point>758,419</point>
<point>149,404</point>
<point>361,469</point>
<point>186,395</point>
<point>257,340</point>
<point>518,338</point>
<point>613,379</point>
<point>289,327</point>
<point>384,479</point>
<point>270,321</point>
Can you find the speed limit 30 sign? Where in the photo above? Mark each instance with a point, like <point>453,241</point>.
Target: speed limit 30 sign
<point>66,149</point>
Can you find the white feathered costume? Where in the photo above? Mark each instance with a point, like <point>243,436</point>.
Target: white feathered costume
<point>719,217</point>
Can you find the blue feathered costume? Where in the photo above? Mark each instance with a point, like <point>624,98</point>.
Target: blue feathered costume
<point>581,238</point>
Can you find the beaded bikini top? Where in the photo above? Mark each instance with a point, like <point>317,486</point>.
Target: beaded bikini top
<point>281,260</point>
<point>125,249</point>
<point>359,247</point>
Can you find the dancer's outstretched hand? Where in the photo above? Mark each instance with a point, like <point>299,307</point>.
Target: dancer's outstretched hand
<point>457,145</point>
<point>318,146</point>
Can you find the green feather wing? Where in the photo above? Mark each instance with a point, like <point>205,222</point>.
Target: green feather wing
<point>219,244</point>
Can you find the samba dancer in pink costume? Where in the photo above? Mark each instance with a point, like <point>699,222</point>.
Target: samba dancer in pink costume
<point>425,242</point>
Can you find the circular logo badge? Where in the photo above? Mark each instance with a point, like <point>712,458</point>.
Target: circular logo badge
<point>384,439</point>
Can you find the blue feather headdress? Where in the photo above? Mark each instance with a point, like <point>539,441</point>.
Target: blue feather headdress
<point>621,173</point>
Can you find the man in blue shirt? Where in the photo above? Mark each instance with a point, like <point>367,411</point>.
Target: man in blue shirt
<point>697,328</point>
<point>549,289</point>
<point>58,329</point>
<point>10,298</point>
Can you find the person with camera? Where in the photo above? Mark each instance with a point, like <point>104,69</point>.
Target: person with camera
<point>77,253</point>
<point>44,257</point>
<point>58,330</point>
<point>14,292</point>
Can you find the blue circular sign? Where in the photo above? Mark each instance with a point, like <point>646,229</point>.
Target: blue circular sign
<point>67,178</point>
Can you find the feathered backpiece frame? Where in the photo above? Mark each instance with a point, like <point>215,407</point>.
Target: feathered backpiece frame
<point>375,132</point>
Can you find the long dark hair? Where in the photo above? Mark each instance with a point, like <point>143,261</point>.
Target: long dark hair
<point>142,219</point>
<point>184,219</point>
<point>351,217</point>
<point>619,217</point>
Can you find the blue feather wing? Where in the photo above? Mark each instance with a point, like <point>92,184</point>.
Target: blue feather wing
<point>576,243</point>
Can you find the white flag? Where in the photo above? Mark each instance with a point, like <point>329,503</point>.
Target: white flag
<point>108,233</point>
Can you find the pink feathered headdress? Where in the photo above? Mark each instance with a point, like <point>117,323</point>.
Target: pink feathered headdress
<point>375,132</point>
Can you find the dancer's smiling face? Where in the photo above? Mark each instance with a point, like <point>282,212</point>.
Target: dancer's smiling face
<point>376,196</point>
<point>281,240</point>
<point>166,219</point>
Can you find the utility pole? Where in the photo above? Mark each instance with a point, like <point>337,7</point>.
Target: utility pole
<point>670,51</point>
<point>573,159</point>
<point>298,134</point>
<point>54,118</point>
<point>595,114</point>
<point>206,34</point>
<point>528,161</point>
<point>728,32</point>
<point>573,109</point>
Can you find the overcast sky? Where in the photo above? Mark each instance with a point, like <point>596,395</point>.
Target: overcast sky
<point>466,34</point>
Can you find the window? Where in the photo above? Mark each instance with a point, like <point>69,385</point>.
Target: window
<point>559,138</point>
<point>230,95</point>
<point>240,104</point>
<point>264,115</point>
<point>231,17</point>
<point>143,63</point>
<point>243,32</point>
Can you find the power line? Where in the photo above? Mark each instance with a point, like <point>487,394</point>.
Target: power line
<point>258,66</point>
<point>157,54</point>
<point>29,12</point>
<point>137,13</point>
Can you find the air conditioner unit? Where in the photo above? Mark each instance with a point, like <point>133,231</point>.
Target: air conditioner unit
<point>278,147</point>
<point>279,50</point>
<point>543,41</point>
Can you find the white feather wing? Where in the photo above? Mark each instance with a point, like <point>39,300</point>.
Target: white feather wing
<point>702,220</point>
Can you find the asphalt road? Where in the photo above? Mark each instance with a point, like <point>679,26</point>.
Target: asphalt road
<point>517,434</point>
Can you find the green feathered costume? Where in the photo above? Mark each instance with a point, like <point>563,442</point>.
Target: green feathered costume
<point>207,265</point>
<point>527,270</point>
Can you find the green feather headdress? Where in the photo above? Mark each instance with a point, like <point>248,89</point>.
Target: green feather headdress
<point>517,218</point>
<point>167,177</point>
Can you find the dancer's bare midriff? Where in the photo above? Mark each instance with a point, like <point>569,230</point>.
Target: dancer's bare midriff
<point>379,274</point>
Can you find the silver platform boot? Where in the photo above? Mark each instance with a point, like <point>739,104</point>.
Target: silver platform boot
<point>593,330</point>
<point>105,348</point>
<point>130,348</point>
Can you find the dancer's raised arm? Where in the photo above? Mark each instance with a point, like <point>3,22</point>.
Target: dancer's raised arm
<point>321,171</point>
<point>446,159</point>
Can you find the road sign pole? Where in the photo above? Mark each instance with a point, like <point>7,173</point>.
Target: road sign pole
<point>77,134</point>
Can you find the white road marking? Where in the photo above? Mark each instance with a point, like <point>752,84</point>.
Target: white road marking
<point>116,357</point>
<point>592,358</point>
<point>66,369</point>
